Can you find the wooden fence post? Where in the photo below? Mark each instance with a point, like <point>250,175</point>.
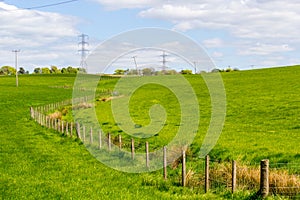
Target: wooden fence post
<point>52,123</point>
<point>55,124</point>
<point>78,131</point>
<point>91,136</point>
<point>132,148</point>
<point>183,169</point>
<point>83,132</point>
<point>233,181</point>
<point>62,126</point>
<point>100,139</point>
<point>109,142</point>
<point>71,129</point>
<point>264,178</point>
<point>39,118</point>
<point>58,125</point>
<point>206,173</point>
<point>120,141</point>
<point>165,162</point>
<point>47,122</point>
<point>147,154</point>
<point>67,128</point>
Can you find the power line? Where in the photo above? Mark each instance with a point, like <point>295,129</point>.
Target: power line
<point>41,6</point>
<point>50,5</point>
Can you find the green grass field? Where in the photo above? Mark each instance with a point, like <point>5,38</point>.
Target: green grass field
<point>263,121</point>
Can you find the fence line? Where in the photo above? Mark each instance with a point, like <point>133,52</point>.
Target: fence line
<point>272,178</point>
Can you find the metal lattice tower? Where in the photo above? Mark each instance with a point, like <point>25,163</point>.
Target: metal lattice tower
<point>136,67</point>
<point>164,61</point>
<point>83,50</point>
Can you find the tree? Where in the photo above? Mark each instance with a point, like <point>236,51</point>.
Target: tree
<point>171,72</point>
<point>228,69</point>
<point>215,70</point>
<point>45,70</point>
<point>148,71</point>
<point>82,70</point>
<point>7,70</point>
<point>72,70</point>
<point>37,70</point>
<point>54,70</point>
<point>21,70</point>
<point>64,71</point>
<point>119,72</point>
<point>186,71</point>
<point>132,72</point>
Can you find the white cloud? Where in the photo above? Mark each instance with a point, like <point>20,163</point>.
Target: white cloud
<point>30,30</point>
<point>119,4</point>
<point>217,54</point>
<point>213,43</point>
<point>265,49</point>
<point>245,19</point>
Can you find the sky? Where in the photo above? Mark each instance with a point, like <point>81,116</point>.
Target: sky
<point>243,34</point>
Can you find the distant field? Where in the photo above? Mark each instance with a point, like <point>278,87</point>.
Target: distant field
<point>263,121</point>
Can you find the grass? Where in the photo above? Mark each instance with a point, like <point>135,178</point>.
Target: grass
<point>37,163</point>
<point>262,121</point>
<point>262,116</point>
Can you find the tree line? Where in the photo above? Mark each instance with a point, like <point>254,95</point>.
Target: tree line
<point>150,72</point>
<point>153,72</point>
<point>8,70</point>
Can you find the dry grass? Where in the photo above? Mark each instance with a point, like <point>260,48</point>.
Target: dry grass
<point>248,178</point>
<point>106,99</point>
<point>83,105</point>
<point>55,115</point>
<point>283,183</point>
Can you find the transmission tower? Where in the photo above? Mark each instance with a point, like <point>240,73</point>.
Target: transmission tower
<point>83,44</point>
<point>136,67</point>
<point>164,61</point>
<point>195,67</point>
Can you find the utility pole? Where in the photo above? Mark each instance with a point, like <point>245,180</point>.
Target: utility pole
<point>83,50</point>
<point>136,67</point>
<point>16,65</point>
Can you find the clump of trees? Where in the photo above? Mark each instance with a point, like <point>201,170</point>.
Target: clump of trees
<point>228,69</point>
<point>56,70</point>
<point>150,72</point>
<point>7,70</point>
<point>186,71</point>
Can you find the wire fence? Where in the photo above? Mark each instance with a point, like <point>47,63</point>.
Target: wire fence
<point>285,179</point>
<point>197,173</point>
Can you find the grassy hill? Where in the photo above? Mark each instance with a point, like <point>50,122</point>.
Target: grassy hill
<point>263,121</point>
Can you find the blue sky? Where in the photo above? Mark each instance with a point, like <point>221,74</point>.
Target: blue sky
<point>238,33</point>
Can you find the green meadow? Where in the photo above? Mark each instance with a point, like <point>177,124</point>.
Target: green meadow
<point>262,121</point>
<point>262,118</point>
